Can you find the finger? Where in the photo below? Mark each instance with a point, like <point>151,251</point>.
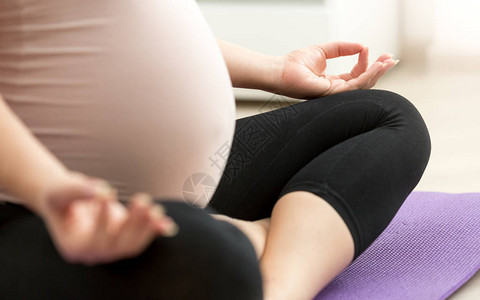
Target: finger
<point>362,64</point>
<point>75,188</point>
<point>359,68</point>
<point>140,241</point>
<point>79,175</point>
<point>365,77</point>
<point>384,57</point>
<point>101,188</point>
<point>100,246</point>
<point>362,67</point>
<point>160,224</point>
<point>163,224</point>
<point>388,64</point>
<point>104,190</point>
<point>356,83</point>
<point>337,49</point>
<point>137,222</point>
<point>84,242</point>
<point>102,236</point>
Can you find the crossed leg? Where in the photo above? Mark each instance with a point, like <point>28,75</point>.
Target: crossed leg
<point>313,250</point>
<point>324,187</point>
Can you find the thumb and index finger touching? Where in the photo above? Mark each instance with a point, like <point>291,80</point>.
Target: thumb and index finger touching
<point>79,187</point>
<point>361,76</point>
<point>340,48</point>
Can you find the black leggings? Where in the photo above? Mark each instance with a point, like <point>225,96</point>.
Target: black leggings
<point>362,151</point>
<point>208,259</point>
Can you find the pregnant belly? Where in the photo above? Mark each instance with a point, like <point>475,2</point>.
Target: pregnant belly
<point>135,92</point>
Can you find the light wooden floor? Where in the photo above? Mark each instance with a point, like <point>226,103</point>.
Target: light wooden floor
<point>449,101</point>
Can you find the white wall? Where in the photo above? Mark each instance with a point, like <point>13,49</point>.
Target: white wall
<point>447,31</point>
<point>271,28</point>
<point>417,23</point>
<point>457,25</point>
<point>372,22</point>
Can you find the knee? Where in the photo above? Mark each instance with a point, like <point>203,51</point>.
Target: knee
<point>208,259</point>
<point>404,117</point>
<point>393,103</point>
<point>235,272</point>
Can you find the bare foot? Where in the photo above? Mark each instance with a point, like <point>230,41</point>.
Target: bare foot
<point>256,231</point>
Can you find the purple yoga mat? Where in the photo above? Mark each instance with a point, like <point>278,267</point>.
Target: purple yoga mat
<point>429,250</point>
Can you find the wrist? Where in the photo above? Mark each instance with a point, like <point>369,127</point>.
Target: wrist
<point>252,70</point>
<point>277,67</point>
<point>266,74</point>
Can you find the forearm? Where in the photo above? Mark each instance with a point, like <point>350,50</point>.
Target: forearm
<point>250,69</point>
<point>26,166</point>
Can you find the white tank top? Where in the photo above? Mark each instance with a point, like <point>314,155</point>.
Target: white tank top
<point>132,91</point>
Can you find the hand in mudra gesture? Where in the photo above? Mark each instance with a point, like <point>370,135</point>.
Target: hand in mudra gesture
<point>303,71</point>
<point>89,225</point>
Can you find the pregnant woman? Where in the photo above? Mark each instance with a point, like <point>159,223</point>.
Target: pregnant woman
<point>109,106</point>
